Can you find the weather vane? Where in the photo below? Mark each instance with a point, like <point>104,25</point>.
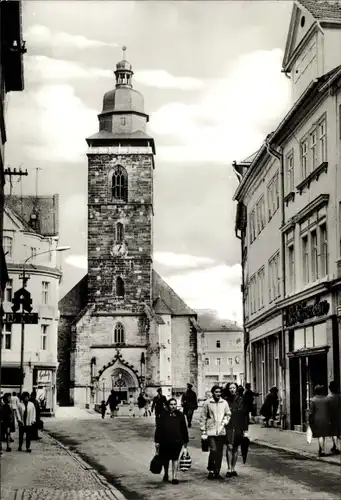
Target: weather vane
<point>124,48</point>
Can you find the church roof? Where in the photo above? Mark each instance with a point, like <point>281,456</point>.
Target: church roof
<point>323,10</point>
<point>165,300</point>
<point>160,307</point>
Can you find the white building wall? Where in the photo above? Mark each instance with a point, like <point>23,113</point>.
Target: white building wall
<point>36,355</point>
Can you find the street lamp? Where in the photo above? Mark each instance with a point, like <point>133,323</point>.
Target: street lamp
<point>24,282</point>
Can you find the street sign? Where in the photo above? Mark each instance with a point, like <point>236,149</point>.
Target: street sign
<point>22,298</point>
<point>29,318</point>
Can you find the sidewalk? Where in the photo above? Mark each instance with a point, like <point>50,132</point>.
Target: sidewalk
<point>290,441</point>
<point>50,472</point>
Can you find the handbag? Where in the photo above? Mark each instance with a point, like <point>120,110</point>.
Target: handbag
<point>185,462</point>
<point>155,465</point>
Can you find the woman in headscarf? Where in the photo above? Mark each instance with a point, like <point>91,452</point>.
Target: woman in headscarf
<point>171,436</point>
<point>236,426</point>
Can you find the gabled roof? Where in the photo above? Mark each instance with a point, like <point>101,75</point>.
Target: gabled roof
<point>322,9</point>
<point>17,219</point>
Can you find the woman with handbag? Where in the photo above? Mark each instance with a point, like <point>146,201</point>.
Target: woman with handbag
<point>171,435</point>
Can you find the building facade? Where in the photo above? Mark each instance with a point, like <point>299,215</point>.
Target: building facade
<point>122,327</point>
<point>288,218</point>
<point>223,351</point>
<point>11,79</point>
<point>30,242</point>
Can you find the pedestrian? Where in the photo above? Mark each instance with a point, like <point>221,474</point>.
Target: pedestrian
<point>147,412</point>
<point>141,404</point>
<point>15,401</point>
<point>236,426</point>
<point>334,410</point>
<point>113,403</point>
<point>26,418</point>
<point>131,406</point>
<point>171,435</point>
<point>159,404</point>
<point>319,418</point>
<point>37,424</point>
<point>249,397</point>
<point>103,408</point>
<point>189,403</point>
<point>6,420</point>
<point>270,406</point>
<point>215,416</point>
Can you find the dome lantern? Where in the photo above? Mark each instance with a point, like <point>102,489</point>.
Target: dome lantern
<point>123,72</point>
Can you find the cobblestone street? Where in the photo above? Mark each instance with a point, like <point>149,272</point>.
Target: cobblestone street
<point>122,448</point>
<point>50,472</point>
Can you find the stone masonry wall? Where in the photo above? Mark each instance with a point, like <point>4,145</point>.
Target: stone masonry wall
<point>134,267</point>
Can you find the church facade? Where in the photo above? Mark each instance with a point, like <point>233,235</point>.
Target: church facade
<point>122,327</point>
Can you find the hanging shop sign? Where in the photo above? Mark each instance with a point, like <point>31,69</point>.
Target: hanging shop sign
<point>301,312</point>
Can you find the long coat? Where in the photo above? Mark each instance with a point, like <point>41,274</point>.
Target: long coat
<point>334,410</point>
<point>171,428</point>
<point>319,416</point>
<point>270,406</point>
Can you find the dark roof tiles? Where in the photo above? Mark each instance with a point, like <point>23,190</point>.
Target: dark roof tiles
<point>323,9</point>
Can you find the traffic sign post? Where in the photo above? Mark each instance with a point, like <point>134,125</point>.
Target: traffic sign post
<point>22,298</point>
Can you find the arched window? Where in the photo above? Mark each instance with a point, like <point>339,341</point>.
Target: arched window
<point>120,184</point>
<point>119,232</point>
<point>119,287</point>
<point>119,334</point>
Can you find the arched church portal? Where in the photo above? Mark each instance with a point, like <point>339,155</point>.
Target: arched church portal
<point>120,379</point>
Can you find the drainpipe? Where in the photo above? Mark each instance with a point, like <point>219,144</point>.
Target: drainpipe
<point>246,340</point>
<point>279,155</point>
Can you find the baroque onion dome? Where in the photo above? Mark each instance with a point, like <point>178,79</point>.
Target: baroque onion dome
<point>122,120</point>
<point>123,98</point>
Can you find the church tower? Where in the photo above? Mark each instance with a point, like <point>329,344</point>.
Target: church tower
<point>120,201</point>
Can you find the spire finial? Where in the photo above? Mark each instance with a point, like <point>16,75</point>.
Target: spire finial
<point>124,48</point>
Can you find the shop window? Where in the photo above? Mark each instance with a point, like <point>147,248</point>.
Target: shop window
<point>320,334</point>
<point>299,339</point>
<point>309,336</point>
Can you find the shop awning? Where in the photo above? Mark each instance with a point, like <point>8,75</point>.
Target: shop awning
<point>313,351</point>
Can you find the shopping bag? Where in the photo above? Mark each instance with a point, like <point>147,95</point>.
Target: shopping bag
<point>156,465</point>
<point>185,461</point>
<point>309,435</point>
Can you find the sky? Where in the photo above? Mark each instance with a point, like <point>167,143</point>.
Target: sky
<point>210,73</point>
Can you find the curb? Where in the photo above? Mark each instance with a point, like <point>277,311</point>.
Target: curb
<point>101,480</point>
<point>309,456</point>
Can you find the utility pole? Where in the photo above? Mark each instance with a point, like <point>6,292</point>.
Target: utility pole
<point>14,172</point>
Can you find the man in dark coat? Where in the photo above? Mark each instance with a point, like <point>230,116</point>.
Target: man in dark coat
<point>113,403</point>
<point>159,404</point>
<point>189,403</point>
<point>249,397</point>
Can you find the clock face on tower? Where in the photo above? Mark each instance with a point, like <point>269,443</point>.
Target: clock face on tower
<point>119,250</point>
